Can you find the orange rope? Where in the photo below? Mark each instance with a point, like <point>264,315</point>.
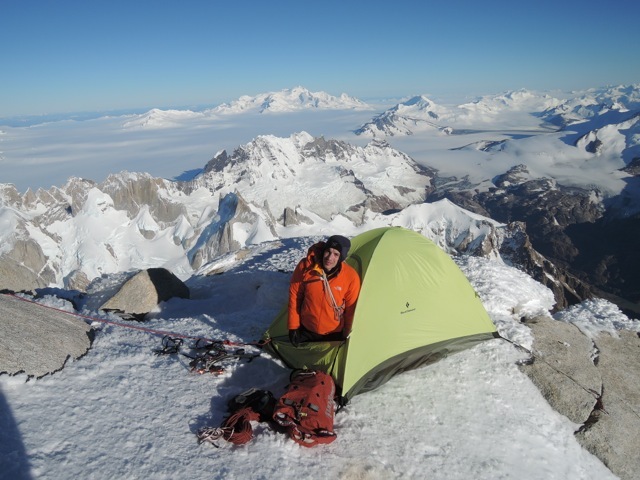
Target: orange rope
<point>237,428</point>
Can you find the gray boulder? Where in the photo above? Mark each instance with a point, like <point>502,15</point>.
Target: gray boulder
<point>37,340</point>
<point>596,384</point>
<point>144,291</point>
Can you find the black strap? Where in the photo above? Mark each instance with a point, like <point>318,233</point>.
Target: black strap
<point>170,345</point>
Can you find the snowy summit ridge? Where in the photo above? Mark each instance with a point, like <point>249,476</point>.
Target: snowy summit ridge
<point>284,101</point>
<point>290,100</point>
<point>419,113</point>
<point>592,103</point>
<point>314,170</point>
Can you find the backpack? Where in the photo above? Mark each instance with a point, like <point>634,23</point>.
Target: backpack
<point>307,409</point>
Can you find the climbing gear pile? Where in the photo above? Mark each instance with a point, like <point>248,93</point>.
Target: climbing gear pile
<point>235,429</point>
<point>305,412</point>
<point>251,406</point>
<point>206,356</point>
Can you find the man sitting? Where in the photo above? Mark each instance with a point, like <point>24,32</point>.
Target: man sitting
<point>323,293</point>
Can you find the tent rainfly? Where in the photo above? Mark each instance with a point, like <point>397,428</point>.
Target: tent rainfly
<point>415,307</point>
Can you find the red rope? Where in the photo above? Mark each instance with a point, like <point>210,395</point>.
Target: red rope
<point>130,326</point>
<point>237,428</point>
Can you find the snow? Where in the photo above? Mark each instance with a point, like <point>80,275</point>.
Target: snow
<point>122,411</point>
<point>597,315</point>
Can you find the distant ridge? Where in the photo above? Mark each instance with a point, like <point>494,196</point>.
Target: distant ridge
<point>420,113</point>
<point>289,100</point>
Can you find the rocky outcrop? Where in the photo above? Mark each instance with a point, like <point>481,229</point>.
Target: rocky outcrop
<point>36,340</point>
<point>546,207</point>
<point>131,192</point>
<point>595,383</point>
<point>562,368</point>
<point>141,293</point>
<point>24,267</point>
<point>612,432</point>
<point>546,212</point>
<point>609,258</point>
<point>292,216</point>
<point>217,237</point>
<point>567,289</point>
<point>584,242</point>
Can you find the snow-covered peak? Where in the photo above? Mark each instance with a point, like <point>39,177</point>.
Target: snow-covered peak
<point>514,108</point>
<point>416,113</point>
<point>289,100</point>
<point>420,106</point>
<point>619,141</point>
<point>305,171</point>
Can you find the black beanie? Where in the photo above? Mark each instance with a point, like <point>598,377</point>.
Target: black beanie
<point>340,243</point>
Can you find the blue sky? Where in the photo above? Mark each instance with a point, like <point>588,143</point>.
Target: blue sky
<point>72,56</point>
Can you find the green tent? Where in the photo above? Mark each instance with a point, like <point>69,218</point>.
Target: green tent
<point>415,307</point>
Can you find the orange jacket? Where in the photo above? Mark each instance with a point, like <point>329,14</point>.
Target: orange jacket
<point>309,304</point>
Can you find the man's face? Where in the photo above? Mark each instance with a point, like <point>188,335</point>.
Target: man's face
<point>330,258</point>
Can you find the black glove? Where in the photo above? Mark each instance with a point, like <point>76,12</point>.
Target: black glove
<point>294,338</point>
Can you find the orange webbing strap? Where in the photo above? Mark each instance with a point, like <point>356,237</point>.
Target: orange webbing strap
<point>318,436</point>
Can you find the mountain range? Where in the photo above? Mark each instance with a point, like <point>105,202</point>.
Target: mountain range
<point>545,183</point>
